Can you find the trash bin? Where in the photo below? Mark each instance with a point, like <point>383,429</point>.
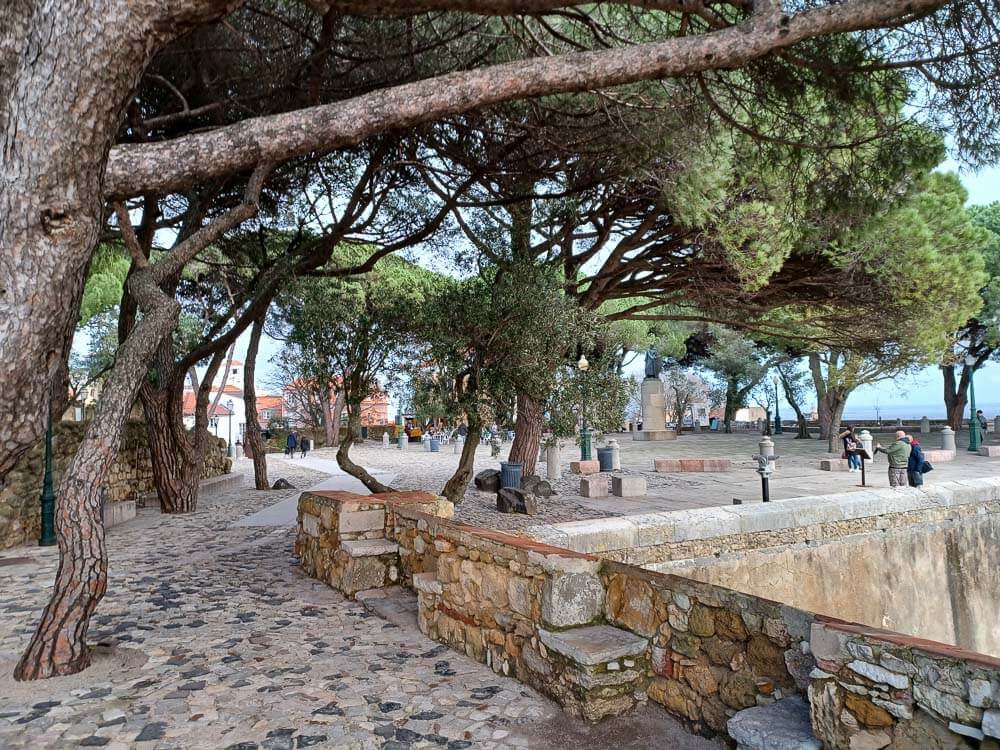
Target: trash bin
<point>364,432</point>
<point>510,475</point>
<point>606,458</point>
<point>435,445</point>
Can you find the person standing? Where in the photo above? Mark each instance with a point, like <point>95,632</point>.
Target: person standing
<point>304,445</point>
<point>981,425</point>
<point>899,455</point>
<point>915,463</point>
<point>850,442</point>
<point>291,444</point>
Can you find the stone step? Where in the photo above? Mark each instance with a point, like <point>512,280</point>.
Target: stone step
<point>594,644</point>
<point>783,725</point>
<point>369,547</point>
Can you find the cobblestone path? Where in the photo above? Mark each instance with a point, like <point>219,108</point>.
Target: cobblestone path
<point>212,638</point>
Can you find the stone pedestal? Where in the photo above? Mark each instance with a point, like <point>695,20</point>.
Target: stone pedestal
<point>948,439</point>
<point>925,425</point>
<point>552,463</point>
<point>867,442</point>
<point>385,439</point>
<point>654,412</point>
<point>616,455</point>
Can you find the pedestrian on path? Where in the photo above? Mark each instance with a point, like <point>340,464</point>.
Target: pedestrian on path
<point>851,445</point>
<point>899,455</point>
<point>915,463</point>
<point>305,444</point>
<point>291,444</point>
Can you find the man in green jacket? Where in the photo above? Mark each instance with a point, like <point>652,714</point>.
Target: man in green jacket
<point>898,454</point>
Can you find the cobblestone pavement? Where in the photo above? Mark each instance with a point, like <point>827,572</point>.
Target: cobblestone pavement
<point>212,638</point>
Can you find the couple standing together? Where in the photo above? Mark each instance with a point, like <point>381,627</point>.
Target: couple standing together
<point>907,464</point>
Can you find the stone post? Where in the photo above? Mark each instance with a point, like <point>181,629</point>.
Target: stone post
<point>426,440</point>
<point>766,446</point>
<point>867,442</point>
<point>552,470</point>
<point>385,439</point>
<point>948,439</point>
<point>925,425</point>
<point>457,443</point>
<point>616,455</point>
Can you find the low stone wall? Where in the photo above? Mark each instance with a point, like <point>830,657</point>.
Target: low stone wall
<point>875,689</point>
<point>130,476</point>
<point>652,538</point>
<point>601,637</point>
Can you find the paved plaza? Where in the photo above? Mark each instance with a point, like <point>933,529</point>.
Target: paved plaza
<point>798,474</point>
<point>211,637</point>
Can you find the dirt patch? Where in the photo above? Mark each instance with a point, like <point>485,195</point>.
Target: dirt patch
<point>107,662</point>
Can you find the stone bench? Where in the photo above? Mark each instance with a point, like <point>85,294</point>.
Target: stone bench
<point>939,456</point>
<point>783,725</point>
<point>671,465</point>
<point>627,486</point>
<point>602,668</point>
<point>992,451</point>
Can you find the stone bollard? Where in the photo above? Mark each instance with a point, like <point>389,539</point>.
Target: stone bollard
<point>867,442</point>
<point>401,441</point>
<point>426,440</point>
<point>616,455</point>
<point>760,425</point>
<point>552,470</point>
<point>766,446</point>
<point>385,439</point>
<point>948,439</point>
<point>457,444</point>
<point>925,425</point>
<point>996,424</point>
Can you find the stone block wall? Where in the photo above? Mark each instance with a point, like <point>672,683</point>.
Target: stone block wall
<point>875,689</point>
<point>130,476</point>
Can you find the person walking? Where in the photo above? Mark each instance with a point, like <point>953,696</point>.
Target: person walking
<point>915,463</point>
<point>851,445</point>
<point>899,455</point>
<point>304,445</point>
<point>291,444</point>
<point>982,425</point>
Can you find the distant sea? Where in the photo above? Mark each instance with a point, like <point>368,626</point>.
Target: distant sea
<point>890,412</point>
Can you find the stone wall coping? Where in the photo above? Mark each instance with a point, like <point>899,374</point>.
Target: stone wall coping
<point>651,529</point>
<point>594,644</point>
<point>444,527</point>
<point>369,547</point>
<point>341,497</point>
<point>932,648</point>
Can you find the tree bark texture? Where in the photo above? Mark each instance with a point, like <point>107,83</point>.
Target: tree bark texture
<point>956,394</point>
<point>527,434</point>
<point>254,438</point>
<point>454,488</point>
<point>59,645</point>
<point>344,460</point>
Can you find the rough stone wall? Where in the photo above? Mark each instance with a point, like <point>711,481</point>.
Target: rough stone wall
<point>875,689</point>
<point>707,653</point>
<point>130,476</point>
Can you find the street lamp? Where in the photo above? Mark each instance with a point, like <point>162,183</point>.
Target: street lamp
<point>777,417</point>
<point>583,365</point>
<point>229,449</point>
<point>970,362</point>
<point>48,537</point>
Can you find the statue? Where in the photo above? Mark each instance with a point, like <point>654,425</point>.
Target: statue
<point>653,363</point>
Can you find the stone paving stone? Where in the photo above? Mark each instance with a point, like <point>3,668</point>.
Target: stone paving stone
<point>233,647</point>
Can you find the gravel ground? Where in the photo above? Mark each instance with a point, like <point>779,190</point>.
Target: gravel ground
<point>417,469</point>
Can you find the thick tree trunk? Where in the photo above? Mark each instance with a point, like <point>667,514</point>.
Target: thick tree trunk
<point>59,645</point>
<point>527,434</point>
<point>832,412</point>
<point>57,122</point>
<point>254,438</point>
<point>176,470</point>
<point>732,406</point>
<point>344,460</point>
<point>454,488</point>
<point>956,394</point>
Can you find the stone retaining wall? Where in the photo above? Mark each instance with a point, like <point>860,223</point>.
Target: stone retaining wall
<point>601,637</point>
<point>130,476</point>
<point>875,689</point>
<point>652,538</point>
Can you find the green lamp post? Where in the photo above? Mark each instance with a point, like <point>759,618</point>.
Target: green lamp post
<point>583,365</point>
<point>970,362</point>
<point>48,537</point>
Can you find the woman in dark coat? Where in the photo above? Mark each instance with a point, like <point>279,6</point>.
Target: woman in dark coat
<point>915,464</point>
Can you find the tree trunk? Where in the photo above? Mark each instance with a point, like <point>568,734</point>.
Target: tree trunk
<point>956,394</point>
<point>57,123</point>
<point>253,437</point>
<point>176,471</point>
<point>59,645</point>
<point>454,488</point>
<point>344,461</point>
<point>732,406</point>
<point>836,400</point>
<point>527,434</point>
